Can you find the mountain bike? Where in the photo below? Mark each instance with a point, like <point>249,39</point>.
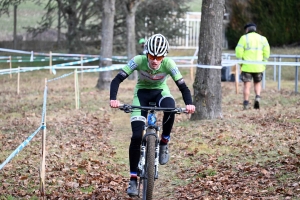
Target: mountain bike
<point>149,155</point>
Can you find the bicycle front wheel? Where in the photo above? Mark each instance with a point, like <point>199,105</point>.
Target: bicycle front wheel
<point>148,181</point>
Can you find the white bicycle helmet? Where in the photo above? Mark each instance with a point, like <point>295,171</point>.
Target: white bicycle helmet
<point>157,45</point>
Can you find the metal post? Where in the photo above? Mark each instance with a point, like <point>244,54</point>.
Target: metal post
<point>274,70</point>
<point>296,78</point>
<point>279,75</point>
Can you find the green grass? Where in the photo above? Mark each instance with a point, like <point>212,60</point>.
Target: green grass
<point>7,197</point>
<point>195,5</point>
<point>88,189</point>
<point>208,172</point>
<point>24,19</point>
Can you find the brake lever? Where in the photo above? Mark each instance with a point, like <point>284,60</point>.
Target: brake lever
<point>126,108</point>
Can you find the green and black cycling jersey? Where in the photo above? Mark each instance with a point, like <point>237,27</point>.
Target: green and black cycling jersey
<point>151,79</point>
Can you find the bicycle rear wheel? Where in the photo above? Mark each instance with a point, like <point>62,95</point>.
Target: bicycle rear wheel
<point>148,181</point>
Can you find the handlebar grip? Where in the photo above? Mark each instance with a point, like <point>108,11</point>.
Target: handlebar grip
<point>183,109</point>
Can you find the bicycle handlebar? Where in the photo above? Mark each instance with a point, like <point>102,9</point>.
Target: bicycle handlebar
<point>129,108</point>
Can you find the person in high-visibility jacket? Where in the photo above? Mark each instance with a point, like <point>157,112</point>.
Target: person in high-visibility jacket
<point>252,47</point>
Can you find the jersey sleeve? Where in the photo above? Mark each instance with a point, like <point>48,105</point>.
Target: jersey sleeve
<point>132,64</point>
<point>173,70</point>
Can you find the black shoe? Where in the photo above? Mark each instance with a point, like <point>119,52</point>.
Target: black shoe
<point>163,154</point>
<point>246,107</point>
<point>132,190</point>
<point>256,102</point>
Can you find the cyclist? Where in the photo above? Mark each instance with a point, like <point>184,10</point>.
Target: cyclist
<point>153,70</point>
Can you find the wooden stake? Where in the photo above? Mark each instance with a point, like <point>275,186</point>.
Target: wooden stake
<point>43,163</point>
<point>192,62</point>
<point>237,78</point>
<point>192,70</point>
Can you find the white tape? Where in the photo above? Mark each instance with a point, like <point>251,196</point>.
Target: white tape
<point>209,66</point>
<point>233,62</point>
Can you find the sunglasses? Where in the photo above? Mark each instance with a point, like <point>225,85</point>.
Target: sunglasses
<point>158,58</point>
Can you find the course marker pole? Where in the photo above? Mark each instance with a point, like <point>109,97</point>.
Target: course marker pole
<point>237,66</point>
<point>18,87</point>
<point>81,59</point>
<point>192,63</point>
<point>78,93</point>
<point>43,163</point>
<point>50,61</point>
<point>10,65</point>
<point>75,87</point>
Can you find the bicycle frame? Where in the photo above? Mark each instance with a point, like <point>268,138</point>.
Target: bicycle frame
<point>148,163</point>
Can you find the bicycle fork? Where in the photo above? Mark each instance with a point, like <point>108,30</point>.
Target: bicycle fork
<point>142,162</point>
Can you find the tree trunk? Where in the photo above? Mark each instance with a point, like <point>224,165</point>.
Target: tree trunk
<point>130,8</point>
<point>58,27</point>
<point>106,43</point>
<point>72,34</point>
<point>207,84</point>
<point>15,26</point>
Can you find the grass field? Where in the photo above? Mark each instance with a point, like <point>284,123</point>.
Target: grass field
<point>195,5</point>
<point>29,13</point>
<point>245,155</point>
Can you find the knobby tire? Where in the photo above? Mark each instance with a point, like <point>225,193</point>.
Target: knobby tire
<point>148,182</point>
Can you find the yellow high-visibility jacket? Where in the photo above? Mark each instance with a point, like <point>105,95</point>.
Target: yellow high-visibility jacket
<point>253,47</point>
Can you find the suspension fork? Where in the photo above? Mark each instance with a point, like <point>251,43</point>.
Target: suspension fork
<point>141,169</point>
<point>141,165</point>
<point>157,129</point>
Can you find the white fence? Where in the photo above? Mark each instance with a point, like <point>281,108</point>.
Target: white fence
<point>190,40</point>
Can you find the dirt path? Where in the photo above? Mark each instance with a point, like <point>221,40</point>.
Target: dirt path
<point>121,142</point>
<point>121,139</point>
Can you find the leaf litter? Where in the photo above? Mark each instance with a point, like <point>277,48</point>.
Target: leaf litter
<point>245,155</point>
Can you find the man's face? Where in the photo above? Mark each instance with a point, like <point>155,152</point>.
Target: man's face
<point>154,61</point>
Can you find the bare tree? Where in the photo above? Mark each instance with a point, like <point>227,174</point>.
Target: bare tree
<point>15,26</point>
<point>4,9</point>
<point>166,18</point>
<point>207,84</point>
<point>107,33</point>
<point>130,8</point>
<point>79,18</point>
<point>5,5</point>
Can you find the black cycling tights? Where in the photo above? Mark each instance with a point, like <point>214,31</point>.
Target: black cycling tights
<point>137,128</point>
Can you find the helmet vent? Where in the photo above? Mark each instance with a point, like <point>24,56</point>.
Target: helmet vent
<point>157,45</point>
